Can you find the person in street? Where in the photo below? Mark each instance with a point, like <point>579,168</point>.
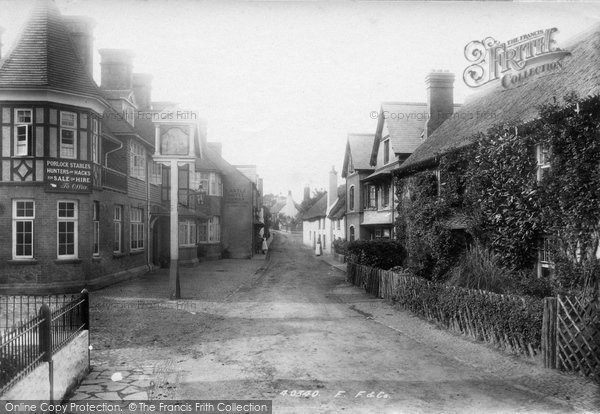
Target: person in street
<point>265,246</point>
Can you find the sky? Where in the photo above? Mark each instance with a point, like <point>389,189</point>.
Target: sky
<point>282,83</point>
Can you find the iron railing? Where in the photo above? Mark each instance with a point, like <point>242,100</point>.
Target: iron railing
<point>17,309</point>
<point>35,340</point>
<point>20,352</point>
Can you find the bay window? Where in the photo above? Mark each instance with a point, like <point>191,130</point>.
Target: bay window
<point>23,132</point>
<point>68,135</point>
<point>187,233</point>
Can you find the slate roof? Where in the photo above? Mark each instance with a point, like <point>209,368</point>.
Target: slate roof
<point>339,208</point>
<point>317,210</point>
<point>358,152</point>
<point>405,122</point>
<point>497,105</point>
<point>43,56</point>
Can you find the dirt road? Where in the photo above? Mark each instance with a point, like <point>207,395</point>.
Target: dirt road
<point>297,333</point>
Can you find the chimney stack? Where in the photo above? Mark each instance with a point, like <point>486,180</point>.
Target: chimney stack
<point>440,99</point>
<point>332,193</point>
<point>142,90</point>
<point>116,69</point>
<point>81,30</point>
<point>306,193</point>
<point>1,33</point>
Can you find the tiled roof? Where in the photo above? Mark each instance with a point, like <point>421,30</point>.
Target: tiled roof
<point>44,56</point>
<point>405,122</point>
<point>317,210</point>
<point>358,152</point>
<point>339,208</point>
<point>497,105</point>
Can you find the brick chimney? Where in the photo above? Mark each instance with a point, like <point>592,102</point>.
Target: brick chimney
<point>116,69</point>
<point>332,192</point>
<point>81,31</point>
<point>306,193</point>
<point>440,99</point>
<point>1,33</point>
<point>142,90</point>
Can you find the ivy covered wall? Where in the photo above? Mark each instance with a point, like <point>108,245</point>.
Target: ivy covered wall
<point>495,187</point>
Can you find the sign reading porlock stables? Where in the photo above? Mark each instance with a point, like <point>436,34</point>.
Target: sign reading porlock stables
<point>68,176</point>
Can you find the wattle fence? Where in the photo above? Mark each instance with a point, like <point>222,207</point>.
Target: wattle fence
<point>512,322</point>
<point>563,332</point>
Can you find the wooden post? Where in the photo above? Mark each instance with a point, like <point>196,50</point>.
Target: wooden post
<point>174,288</point>
<point>549,333</point>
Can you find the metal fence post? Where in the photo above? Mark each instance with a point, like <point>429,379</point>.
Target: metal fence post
<point>45,343</point>
<point>84,308</point>
<point>549,333</point>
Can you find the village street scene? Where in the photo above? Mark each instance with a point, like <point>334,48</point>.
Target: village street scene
<point>299,207</point>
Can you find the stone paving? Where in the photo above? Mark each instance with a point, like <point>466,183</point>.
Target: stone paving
<point>115,383</point>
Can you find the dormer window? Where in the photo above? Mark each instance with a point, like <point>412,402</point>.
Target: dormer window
<point>23,132</point>
<point>386,151</point>
<point>543,160</point>
<point>68,125</point>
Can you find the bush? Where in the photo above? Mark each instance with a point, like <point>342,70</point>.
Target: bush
<point>383,254</point>
<point>529,284</point>
<point>340,246</point>
<point>479,268</point>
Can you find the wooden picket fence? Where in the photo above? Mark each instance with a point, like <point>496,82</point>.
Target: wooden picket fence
<point>578,336</point>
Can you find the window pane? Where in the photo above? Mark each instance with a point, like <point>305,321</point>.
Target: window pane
<point>67,119</point>
<point>24,116</point>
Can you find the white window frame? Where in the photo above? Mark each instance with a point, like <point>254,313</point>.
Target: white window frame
<point>28,128</point>
<point>385,201</point>
<point>66,219</point>
<point>118,228</point>
<point>137,160</point>
<point>22,219</point>
<point>23,150</point>
<point>188,233</point>
<point>214,230</point>
<point>136,225</point>
<point>351,198</point>
<point>544,258</point>
<point>155,173</point>
<point>66,149</point>
<point>95,141</point>
<point>542,154</point>
<point>96,228</point>
<point>386,151</point>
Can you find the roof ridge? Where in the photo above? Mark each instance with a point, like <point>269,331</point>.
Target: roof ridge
<point>403,103</point>
<point>43,55</point>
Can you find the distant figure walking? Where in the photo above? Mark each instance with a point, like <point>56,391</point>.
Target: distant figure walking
<point>265,246</point>
<point>318,250</point>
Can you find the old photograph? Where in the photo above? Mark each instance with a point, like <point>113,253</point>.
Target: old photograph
<point>299,206</point>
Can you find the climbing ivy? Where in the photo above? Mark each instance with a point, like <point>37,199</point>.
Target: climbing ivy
<point>494,182</point>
